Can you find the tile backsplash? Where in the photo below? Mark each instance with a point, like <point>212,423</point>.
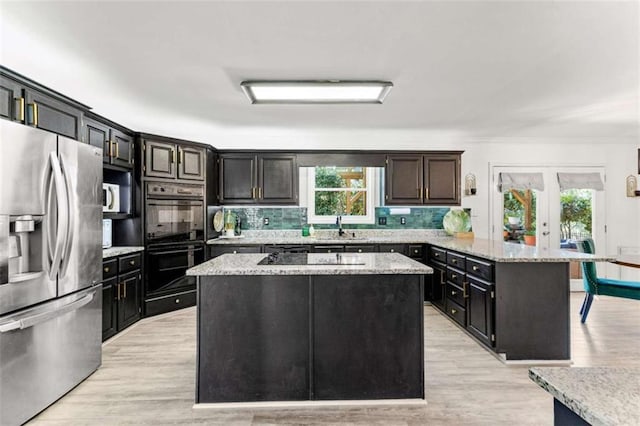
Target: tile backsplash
<point>295,217</point>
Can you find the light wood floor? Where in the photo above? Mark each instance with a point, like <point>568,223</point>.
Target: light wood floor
<point>148,377</point>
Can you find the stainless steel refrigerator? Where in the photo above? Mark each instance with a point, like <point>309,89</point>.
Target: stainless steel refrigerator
<point>50,268</point>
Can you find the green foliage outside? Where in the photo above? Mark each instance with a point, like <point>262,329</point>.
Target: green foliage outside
<point>575,214</point>
<point>331,203</point>
<point>513,208</point>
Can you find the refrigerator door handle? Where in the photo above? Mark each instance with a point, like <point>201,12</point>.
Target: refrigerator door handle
<point>30,321</point>
<point>63,215</point>
<point>69,219</point>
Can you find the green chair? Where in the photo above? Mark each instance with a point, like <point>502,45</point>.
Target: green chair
<point>604,286</point>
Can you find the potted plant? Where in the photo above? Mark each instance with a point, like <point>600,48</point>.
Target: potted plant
<point>530,237</point>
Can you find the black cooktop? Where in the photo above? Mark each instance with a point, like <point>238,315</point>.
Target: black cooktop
<point>305,259</point>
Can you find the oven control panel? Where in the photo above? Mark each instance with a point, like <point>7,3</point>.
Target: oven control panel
<point>174,190</point>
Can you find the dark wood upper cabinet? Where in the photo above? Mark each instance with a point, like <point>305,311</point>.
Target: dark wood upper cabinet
<point>191,163</point>
<point>160,159</point>
<point>442,179</point>
<point>166,159</point>
<point>422,179</point>
<point>12,103</point>
<point>404,179</point>
<point>48,113</point>
<point>277,179</point>
<point>258,179</point>
<point>238,178</point>
<point>117,146</point>
<point>122,148</point>
<point>97,134</point>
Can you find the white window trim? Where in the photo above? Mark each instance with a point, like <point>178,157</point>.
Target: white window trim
<point>372,184</point>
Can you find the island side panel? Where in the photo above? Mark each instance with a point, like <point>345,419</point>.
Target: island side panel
<point>368,340</point>
<point>532,310</point>
<point>253,338</point>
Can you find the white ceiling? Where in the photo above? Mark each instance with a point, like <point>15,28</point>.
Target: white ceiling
<point>484,69</point>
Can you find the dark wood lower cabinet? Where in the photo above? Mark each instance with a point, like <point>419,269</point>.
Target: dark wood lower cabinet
<point>480,319</point>
<point>264,338</point>
<point>121,293</point>
<point>109,308</point>
<point>517,309</point>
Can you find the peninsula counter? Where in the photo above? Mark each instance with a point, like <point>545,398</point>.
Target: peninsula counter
<point>342,327</point>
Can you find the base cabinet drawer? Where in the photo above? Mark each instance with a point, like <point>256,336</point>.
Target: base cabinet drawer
<point>215,251</point>
<point>170,303</point>
<point>457,312</point>
<point>392,248</point>
<point>456,294</point>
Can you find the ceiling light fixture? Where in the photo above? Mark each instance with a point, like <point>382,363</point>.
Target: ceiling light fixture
<point>316,91</point>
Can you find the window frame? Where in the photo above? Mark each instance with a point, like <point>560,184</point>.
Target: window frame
<point>373,182</point>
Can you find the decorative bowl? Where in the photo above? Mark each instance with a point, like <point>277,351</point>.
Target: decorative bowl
<point>456,221</point>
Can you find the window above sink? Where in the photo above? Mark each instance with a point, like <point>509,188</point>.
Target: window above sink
<point>350,192</point>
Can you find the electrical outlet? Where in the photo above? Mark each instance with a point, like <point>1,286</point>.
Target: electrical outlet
<point>403,220</point>
<point>265,220</point>
<point>382,220</point>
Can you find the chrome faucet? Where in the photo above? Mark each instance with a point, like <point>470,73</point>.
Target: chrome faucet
<point>339,223</point>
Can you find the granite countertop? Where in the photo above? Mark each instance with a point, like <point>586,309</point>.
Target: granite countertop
<point>488,249</point>
<point>600,395</point>
<point>369,263</point>
<point>119,251</point>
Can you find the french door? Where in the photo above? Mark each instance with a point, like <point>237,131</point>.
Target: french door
<point>557,218</point>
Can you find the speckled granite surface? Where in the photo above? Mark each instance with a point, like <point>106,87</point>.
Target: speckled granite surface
<point>600,395</point>
<point>488,249</point>
<point>367,263</point>
<point>119,251</point>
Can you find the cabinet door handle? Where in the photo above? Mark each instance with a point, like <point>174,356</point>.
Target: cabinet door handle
<point>260,192</point>
<point>442,278</point>
<point>20,109</point>
<point>118,291</point>
<point>253,192</point>
<point>180,156</point>
<point>35,114</point>
<point>426,193</point>
<point>465,294</point>
<point>117,149</point>
<point>173,156</point>
<point>124,287</point>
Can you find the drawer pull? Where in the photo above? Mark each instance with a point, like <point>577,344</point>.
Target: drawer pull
<point>453,292</point>
<point>359,250</point>
<point>436,254</point>
<point>234,252</point>
<point>328,251</point>
<point>475,268</point>
<point>453,311</point>
<point>107,269</point>
<point>392,250</point>
<point>132,262</point>
<point>177,300</point>
<point>454,276</point>
<point>415,251</point>
<point>454,261</point>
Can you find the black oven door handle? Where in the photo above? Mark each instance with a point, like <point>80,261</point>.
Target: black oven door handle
<point>163,252</point>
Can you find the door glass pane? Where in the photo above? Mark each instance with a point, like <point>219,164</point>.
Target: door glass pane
<point>576,221</point>
<point>519,215</point>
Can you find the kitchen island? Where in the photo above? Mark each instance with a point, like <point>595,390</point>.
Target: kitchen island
<point>310,327</point>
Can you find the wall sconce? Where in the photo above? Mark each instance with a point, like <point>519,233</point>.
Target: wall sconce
<point>470,184</point>
<point>632,184</point>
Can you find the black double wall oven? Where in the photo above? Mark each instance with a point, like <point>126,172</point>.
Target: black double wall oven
<point>174,240</point>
